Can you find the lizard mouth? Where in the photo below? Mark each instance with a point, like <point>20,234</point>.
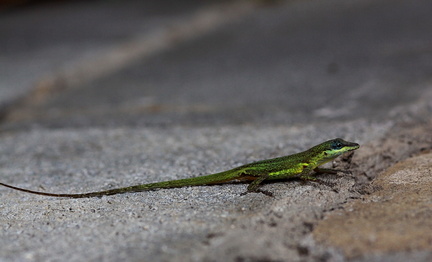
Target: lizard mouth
<point>350,146</point>
<point>354,147</point>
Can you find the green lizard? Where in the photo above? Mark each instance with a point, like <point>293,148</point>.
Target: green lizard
<point>298,165</point>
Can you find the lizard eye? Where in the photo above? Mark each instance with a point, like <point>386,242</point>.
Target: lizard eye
<point>337,145</point>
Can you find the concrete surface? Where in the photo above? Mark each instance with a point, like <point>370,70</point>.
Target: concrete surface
<point>255,82</point>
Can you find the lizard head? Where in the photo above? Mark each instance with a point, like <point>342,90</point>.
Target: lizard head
<point>334,148</point>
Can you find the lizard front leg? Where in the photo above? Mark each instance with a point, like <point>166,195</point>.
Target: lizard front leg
<point>330,171</point>
<point>310,178</point>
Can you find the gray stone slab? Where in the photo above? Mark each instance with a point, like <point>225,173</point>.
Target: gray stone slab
<point>175,224</point>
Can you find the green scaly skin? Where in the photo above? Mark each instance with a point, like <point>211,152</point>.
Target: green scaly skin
<point>298,165</point>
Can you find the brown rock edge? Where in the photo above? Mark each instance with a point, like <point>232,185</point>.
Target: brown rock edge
<point>395,217</point>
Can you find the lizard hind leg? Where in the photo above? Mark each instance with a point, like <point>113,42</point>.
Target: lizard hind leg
<point>254,187</point>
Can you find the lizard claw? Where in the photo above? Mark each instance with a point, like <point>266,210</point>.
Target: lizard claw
<point>265,192</point>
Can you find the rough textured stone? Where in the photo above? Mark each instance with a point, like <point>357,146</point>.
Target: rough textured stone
<point>396,217</point>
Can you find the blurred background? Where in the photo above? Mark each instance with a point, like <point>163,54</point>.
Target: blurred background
<point>140,63</point>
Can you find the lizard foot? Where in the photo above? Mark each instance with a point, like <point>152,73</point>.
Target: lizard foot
<point>265,192</point>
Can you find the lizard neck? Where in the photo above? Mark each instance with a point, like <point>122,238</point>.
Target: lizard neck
<point>316,157</point>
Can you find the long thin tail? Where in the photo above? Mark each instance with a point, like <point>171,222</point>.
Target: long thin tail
<point>217,178</point>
